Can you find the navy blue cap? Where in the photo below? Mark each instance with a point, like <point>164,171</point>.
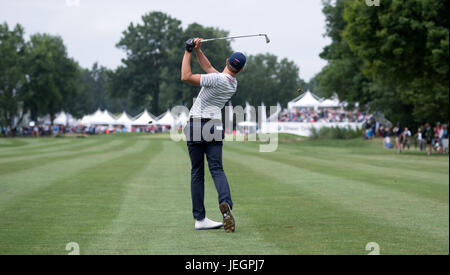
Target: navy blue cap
<point>237,60</point>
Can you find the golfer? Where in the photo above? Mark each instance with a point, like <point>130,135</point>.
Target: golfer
<point>205,134</point>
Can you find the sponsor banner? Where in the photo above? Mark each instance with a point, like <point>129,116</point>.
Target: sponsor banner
<point>303,129</point>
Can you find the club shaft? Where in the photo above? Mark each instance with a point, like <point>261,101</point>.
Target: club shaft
<point>231,37</point>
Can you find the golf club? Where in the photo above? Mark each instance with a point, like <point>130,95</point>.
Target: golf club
<point>241,36</point>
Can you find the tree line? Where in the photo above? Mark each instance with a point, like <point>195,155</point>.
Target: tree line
<point>38,77</point>
<point>392,58</point>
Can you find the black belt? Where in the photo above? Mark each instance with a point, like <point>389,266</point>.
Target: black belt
<point>192,119</point>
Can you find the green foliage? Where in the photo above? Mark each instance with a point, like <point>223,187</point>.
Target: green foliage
<point>151,49</point>
<point>150,75</point>
<point>392,58</point>
<point>336,133</point>
<point>404,44</point>
<point>52,76</point>
<point>269,80</point>
<point>265,79</point>
<point>343,75</point>
<point>92,93</point>
<point>12,74</point>
<point>38,76</point>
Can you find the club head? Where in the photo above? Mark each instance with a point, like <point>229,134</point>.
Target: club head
<point>267,39</point>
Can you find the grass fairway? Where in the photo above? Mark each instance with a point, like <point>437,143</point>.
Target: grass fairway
<point>131,195</point>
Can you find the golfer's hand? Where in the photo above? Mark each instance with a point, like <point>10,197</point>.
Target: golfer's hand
<point>197,43</point>
<point>189,45</point>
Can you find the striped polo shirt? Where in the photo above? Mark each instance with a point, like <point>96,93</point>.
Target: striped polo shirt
<point>217,89</point>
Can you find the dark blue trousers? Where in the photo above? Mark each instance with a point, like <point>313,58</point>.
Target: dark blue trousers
<point>213,151</point>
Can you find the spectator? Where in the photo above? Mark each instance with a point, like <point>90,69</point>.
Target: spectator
<point>406,136</point>
<point>440,135</point>
<point>429,137</point>
<point>398,138</point>
<point>435,141</point>
<point>445,139</point>
<point>387,139</point>
<point>420,139</point>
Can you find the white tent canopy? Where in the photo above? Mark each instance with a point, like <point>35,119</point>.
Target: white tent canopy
<point>143,119</point>
<point>63,118</point>
<point>107,118</point>
<point>306,100</point>
<point>92,118</point>
<point>124,119</point>
<point>99,118</point>
<point>166,119</point>
<point>330,103</point>
<point>45,120</point>
<point>86,120</point>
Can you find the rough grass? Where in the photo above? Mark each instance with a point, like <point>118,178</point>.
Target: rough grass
<point>130,194</point>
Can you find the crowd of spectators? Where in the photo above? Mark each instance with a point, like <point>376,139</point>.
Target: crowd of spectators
<point>326,115</point>
<point>426,138</point>
<point>56,130</point>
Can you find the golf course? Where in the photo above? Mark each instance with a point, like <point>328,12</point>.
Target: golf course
<point>130,194</point>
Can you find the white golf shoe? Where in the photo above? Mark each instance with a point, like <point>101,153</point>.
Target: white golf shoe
<point>207,224</point>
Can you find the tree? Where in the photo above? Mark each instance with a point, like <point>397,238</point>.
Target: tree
<point>404,44</point>
<point>345,73</point>
<point>151,48</point>
<point>84,101</point>
<point>12,75</point>
<point>342,75</point>
<point>52,76</point>
<point>150,75</point>
<point>265,79</point>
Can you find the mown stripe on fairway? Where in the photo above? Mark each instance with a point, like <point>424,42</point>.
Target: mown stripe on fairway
<point>38,143</point>
<point>381,157</point>
<point>71,208</point>
<point>421,223</point>
<point>36,161</point>
<point>151,197</point>
<point>18,182</point>
<point>294,222</point>
<point>156,215</point>
<point>11,142</point>
<point>424,184</point>
<point>74,145</point>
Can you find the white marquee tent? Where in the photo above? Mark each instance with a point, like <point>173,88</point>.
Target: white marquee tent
<point>306,100</point>
<point>166,119</point>
<point>63,118</point>
<point>330,103</point>
<point>144,119</point>
<point>86,120</point>
<point>99,118</point>
<point>107,118</point>
<point>92,118</point>
<point>124,119</point>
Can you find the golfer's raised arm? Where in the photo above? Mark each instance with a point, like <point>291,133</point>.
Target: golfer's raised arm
<point>202,59</point>
<point>186,73</point>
